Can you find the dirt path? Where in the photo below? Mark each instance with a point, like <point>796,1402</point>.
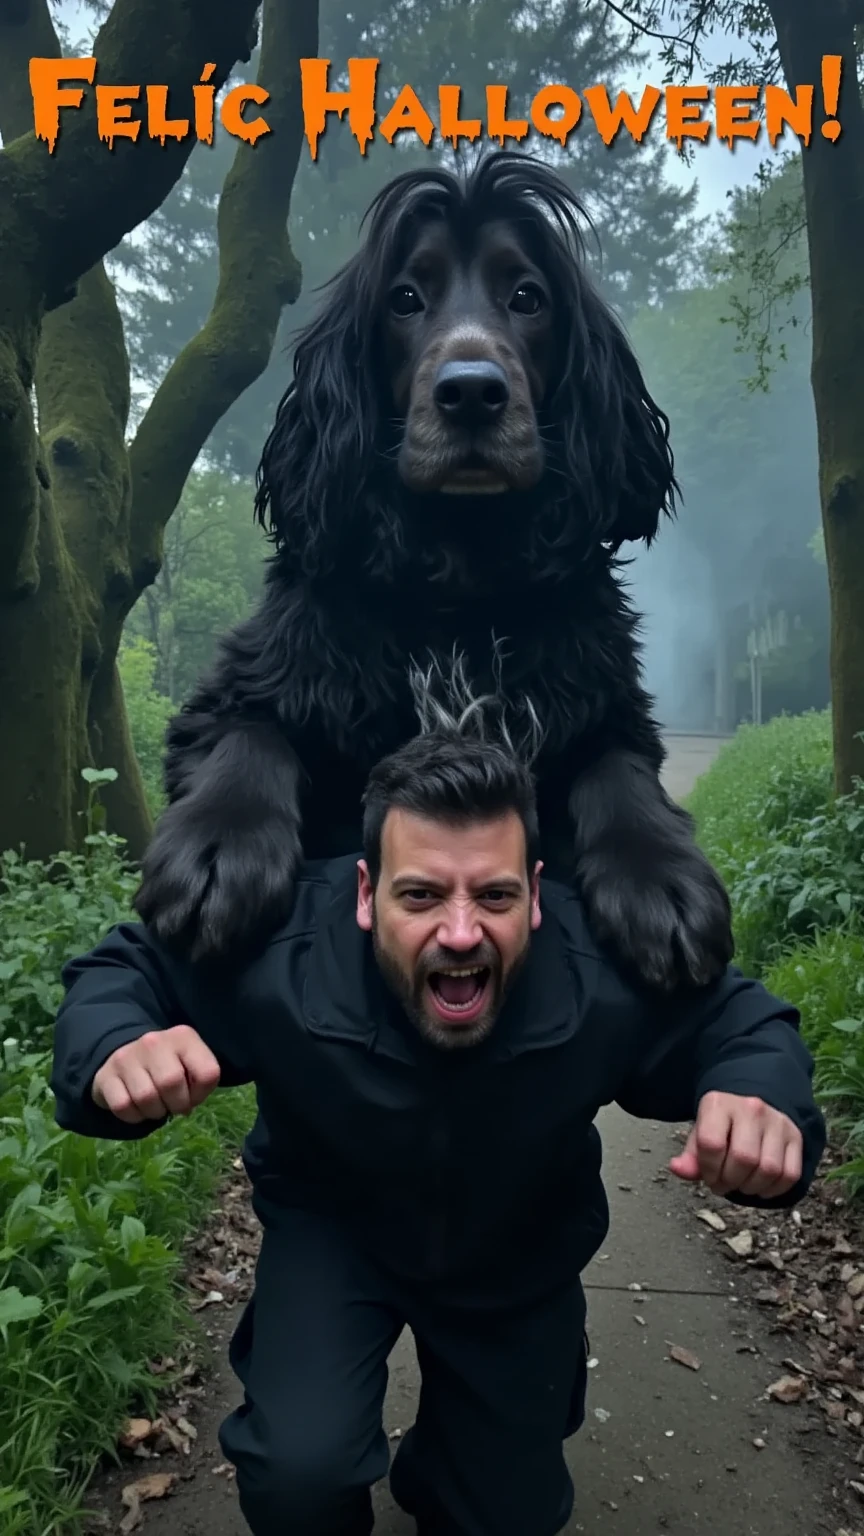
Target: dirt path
<point>666,1447</point>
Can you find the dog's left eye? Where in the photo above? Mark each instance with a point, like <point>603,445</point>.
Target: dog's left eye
<point>405,300</point>
<point>527,299</point>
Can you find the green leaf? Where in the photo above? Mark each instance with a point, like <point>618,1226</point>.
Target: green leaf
<point>10,1498</point>
<point>16,1307</point>
<point>99,775</point>
<point>848,1026</point>
<point>108,1298</point>
<point>132,1231</point>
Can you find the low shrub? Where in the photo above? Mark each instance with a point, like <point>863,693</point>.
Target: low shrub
<point>90,1231</point>
<point>89,1281</point>
<point>790,851</point>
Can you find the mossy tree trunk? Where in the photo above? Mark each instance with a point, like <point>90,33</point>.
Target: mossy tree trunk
<point>83,511</point>
<point>834,201</point>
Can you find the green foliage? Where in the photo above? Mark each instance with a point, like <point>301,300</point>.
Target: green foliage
<point>211,577</point>
<point>148,712</point>
<point>89,1281</point>
<point>768,262</point>
<point>760,779</point>
<point>825,981</point>
<point>86,1226</point>
<point>791,853</point>
<point>47,913</point>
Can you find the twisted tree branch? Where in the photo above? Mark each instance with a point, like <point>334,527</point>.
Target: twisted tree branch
<point>258,276</point>
<point>26,32</point>
<point>62,212</point>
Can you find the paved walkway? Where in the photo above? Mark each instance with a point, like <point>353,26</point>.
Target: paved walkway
<point>664,1448</point>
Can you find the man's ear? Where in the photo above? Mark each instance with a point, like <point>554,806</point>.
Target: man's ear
<point>535,894</point>
<point>365,896</point>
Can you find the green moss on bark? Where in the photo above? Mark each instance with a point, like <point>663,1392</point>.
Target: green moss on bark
<point>258,276</point>
<point>76,548</point>
<point>71,207</point>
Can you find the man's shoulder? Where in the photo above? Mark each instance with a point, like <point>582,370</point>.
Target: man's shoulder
<point>564,909</point>
<point>563,906</point>
<point>319,882</point>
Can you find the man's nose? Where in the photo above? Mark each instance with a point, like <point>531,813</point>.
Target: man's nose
<point>471,394</point>
<point>460,930</point>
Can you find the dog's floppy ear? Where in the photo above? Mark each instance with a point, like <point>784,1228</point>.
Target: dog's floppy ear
<point>321,449</point>
<point>616,438</point>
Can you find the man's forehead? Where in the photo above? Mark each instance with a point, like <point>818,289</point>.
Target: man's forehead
<point>450,853</point>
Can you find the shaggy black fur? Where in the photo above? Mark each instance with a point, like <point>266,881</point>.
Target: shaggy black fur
<point>418,505</point>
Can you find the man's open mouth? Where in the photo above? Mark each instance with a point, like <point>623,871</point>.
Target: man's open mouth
<point>459,996</point>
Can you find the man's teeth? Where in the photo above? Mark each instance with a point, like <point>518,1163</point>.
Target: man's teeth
<point>474,970</point>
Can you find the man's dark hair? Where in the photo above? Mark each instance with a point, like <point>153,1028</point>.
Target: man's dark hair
<point>457,770</point>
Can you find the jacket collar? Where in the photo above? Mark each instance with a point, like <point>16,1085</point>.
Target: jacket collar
<point>346,998</point>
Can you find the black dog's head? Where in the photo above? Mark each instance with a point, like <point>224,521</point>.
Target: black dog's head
<point>464,367</point>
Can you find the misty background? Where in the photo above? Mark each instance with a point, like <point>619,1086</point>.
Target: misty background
<point>684,242</point>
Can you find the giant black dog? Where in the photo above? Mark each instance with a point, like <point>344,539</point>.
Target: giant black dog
<point>466,443</point>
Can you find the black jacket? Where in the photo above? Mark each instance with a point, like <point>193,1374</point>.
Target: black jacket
<point>474,1171</point>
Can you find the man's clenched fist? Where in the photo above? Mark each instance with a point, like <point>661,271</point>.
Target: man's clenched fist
<point>166,1072</point>
<point>741,1145</point>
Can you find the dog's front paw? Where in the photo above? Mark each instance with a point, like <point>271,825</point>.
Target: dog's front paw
<point>669,928</point>
<point>214,897</point>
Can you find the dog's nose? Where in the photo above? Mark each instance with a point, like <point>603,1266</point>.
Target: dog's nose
<point>471,394</point>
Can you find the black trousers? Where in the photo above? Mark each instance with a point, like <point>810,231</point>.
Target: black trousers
<point>501,1391</point>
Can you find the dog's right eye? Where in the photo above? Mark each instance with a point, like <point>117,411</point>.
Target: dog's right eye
<point>405,300</point>
<point>527,300</point>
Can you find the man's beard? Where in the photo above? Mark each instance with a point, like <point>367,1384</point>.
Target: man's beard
<point>410,989</point>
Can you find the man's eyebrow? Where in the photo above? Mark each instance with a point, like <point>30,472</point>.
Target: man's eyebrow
<point>495,883</point>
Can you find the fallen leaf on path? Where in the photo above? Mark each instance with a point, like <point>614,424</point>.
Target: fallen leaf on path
<point>134,1433</point>
<point>742,1243</point>
<point>173,1436</point>
<point>213,1296</point>
<point>789,1389</point>
<point>684,1357</point>
<point>156,1486</point>
<point>712,1220</point>
<point>159,1367</point>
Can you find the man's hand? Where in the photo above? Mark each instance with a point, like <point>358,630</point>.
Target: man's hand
<point>166,1072</point>
<point>741,1145</point>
